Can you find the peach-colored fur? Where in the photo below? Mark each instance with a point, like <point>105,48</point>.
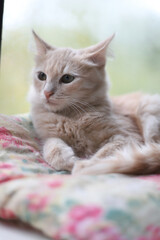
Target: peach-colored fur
<point>83,129</point>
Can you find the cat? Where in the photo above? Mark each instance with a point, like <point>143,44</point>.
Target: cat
<point>83,130</point>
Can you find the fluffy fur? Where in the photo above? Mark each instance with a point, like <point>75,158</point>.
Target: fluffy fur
<point>83,129</point>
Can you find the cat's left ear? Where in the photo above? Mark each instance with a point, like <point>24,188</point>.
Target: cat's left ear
<point>41,46</point>
<point>96,54</point>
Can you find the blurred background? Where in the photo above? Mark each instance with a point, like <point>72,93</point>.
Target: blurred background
<point>136,66</point>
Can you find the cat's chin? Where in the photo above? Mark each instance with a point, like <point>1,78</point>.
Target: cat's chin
<point>53,107</point>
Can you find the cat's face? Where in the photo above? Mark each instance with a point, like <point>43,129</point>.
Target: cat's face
<point>67,78</point>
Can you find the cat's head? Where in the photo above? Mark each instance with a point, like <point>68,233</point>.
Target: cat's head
<point>66,78</point>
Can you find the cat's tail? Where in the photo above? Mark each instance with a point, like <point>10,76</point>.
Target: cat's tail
<point>136,159</point>
<point>132,159</point>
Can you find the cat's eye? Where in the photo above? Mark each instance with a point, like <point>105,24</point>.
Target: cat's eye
<point>67,78</point>
<point>42,76</point>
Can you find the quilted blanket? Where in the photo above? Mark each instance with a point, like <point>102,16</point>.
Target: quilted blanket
<point>62,206</point>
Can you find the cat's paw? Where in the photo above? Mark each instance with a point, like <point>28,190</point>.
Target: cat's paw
<point>82,167</point>
<point>58,155</point>
<point>94,167</point>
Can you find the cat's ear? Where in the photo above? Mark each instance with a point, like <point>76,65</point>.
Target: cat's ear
<point>96,54</point>
<point>41,46</point>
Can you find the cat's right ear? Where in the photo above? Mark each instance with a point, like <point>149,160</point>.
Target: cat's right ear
<point>41,47</point>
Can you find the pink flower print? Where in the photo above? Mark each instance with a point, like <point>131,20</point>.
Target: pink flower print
<point>153,178</point>
<point>79,213</point>
<point>4,131</point>
<point>37,202</point>
<point>81,222</point>
<point>40,160</point>
<point>84,223</point>
<point>7,214</point>
<point>17,119</point>
<point>30,148</point>
<point>6,165</point>
<point>6,177</point>
<point>153,233</point>
<point>107,232</point>
<point>55,183</point>
<point>6,138</point>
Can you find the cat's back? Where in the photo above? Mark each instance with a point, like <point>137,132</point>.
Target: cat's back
<point>136,103</point>
<point>144,110</point>
<point>128,103</point>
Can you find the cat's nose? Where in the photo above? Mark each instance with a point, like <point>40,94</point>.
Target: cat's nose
<point>48,94</point>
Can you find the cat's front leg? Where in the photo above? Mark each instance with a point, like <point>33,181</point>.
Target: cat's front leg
<point>58,154</point>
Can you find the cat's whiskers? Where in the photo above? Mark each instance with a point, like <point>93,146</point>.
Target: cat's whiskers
<point>73,101</point>
<point>76,109</point>
<point>80,108</point>
<point>85,104</point>
<point>72,105</point>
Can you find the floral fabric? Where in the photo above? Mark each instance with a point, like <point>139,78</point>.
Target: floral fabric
<point>106,207</point>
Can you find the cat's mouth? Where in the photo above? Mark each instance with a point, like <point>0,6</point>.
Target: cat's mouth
<point>53,103</point>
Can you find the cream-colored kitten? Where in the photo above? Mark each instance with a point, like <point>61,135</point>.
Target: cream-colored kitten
<point>85,131</point>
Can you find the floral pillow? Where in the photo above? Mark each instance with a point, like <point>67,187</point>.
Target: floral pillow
<point>107,207</point>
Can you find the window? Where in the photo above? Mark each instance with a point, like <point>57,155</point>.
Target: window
<point>79,24</point>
